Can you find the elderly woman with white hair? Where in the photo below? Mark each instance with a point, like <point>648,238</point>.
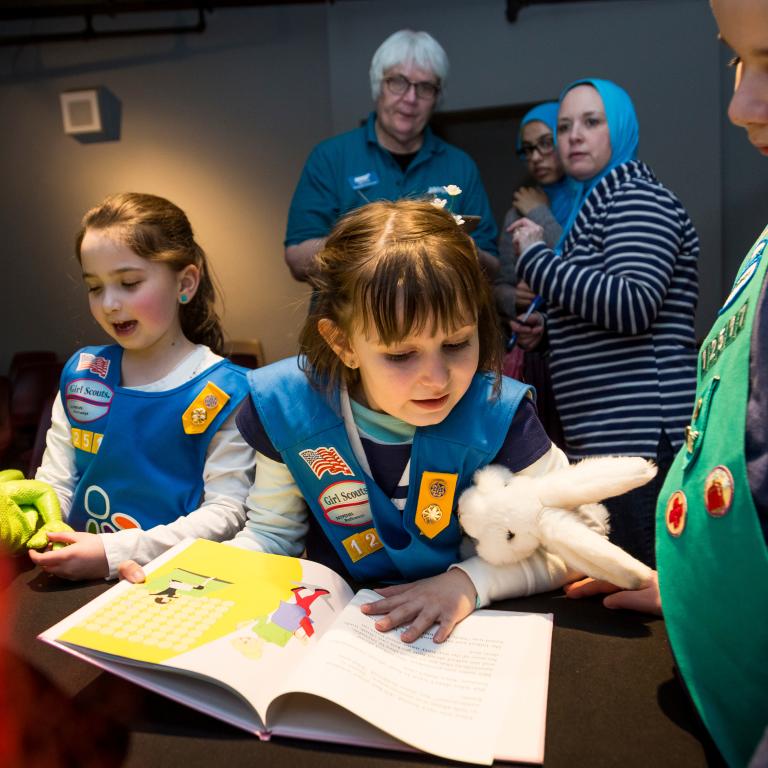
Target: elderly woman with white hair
<point>394,155</point>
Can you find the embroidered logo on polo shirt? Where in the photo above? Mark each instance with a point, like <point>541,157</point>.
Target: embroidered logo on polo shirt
<point>363,180</point>
<point>323,459</point>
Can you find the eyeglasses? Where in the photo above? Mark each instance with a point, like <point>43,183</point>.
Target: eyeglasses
<point>544,144</point>
<point>399,85</point>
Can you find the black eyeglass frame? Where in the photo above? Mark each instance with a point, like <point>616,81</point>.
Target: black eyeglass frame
<point>544,144</point>
<point>424,89</point>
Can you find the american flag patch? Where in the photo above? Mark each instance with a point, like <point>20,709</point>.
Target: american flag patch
<point>322,460</point>
<point>97,365</point>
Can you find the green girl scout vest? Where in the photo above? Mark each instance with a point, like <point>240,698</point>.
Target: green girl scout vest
<point>712,557</point>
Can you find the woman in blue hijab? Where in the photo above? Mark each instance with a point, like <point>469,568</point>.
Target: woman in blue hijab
<point>623,135</point>
<point>621,289</point>
<point>549,204</point>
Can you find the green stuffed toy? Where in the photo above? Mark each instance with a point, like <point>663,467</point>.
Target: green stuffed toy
<point>29,510</point>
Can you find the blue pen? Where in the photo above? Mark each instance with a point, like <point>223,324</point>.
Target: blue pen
<point>532,307</point>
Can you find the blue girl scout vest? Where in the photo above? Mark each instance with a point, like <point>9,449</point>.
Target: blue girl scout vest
<point>712,557</point>
<point>374,539</point>
<point>140,455</point>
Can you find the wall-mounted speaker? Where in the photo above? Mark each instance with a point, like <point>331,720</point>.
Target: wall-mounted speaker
<point>91,115</point>
<point>81,112</point>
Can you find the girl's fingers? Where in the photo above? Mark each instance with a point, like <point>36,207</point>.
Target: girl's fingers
<point>63,537</point>
<point>395,618</point>
<point>418,626</point>
<point>131,571</point>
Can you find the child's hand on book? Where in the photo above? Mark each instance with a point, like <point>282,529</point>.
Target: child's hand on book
<point>646,599</point>
<point>129,570</point>
<point>84,558</point>
<point>445,600</point>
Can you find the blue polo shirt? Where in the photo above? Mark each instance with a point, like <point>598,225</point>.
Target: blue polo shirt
<point>350,170</point>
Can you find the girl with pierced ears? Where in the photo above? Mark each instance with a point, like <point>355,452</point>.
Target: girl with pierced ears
<point>143,450</point>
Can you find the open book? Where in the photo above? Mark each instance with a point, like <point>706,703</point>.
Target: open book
<point>278,645</point>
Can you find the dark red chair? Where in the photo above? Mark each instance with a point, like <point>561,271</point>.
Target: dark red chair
<point>25,393</point>
<point>246,352</point>
<point>6,433</point>
<point>38,446</point>
<point>31,386</point>
<point>22,359</point>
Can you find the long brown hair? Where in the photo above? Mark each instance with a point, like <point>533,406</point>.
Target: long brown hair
<point>157,230</point>
<point>390,268</point>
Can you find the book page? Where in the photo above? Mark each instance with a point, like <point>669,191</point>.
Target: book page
<point>242,619</point>
<point>449,699</point>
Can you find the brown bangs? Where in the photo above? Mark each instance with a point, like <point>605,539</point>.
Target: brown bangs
<point>392,270</point>
<point>415,283</point>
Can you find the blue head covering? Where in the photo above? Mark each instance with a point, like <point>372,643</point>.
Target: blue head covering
<point>623,130</point>
<point>561,193</point>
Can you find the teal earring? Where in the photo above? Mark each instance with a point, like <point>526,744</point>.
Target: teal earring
<point>183,298</point>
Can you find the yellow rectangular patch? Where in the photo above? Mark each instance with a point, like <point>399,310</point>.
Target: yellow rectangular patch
<point>204,409</point>
<point>435,504</point>
<point>362,544</point>
<point>83,440</point>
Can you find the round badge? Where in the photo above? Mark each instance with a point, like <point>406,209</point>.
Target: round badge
<point>675,514</point>
<point>199,415</point>
<point>718,491</point>
<point>211,401</point>
<point>437,489</point>
<point>432,513</point>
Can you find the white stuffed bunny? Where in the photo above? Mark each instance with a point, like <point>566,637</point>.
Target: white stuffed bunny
<point>510,516</point>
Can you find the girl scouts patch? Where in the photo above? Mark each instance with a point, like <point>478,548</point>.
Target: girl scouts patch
<point>204,409</point>
<point>346,503</point>
<point>87,400</point>
<point>676,512</point>
<point>324,459</point>
<point>745,275</point>
<point>435,504</point>
<point>718,491</point>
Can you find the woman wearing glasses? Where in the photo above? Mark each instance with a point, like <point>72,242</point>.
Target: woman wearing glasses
<point>394,155</point>
<point>621,290</point>
<point>548,204</point>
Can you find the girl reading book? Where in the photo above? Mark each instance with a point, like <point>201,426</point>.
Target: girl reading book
<point>365,442</point>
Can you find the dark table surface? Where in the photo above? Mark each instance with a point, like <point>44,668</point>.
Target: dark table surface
<point>614,699</point>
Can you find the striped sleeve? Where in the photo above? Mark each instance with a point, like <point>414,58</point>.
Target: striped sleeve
<point>620,282</point>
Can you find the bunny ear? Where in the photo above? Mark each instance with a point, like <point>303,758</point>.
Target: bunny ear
<point>584,550</point>
<point>594,480</point>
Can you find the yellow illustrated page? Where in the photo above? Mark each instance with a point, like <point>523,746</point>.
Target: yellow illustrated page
<point>242,618</point>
